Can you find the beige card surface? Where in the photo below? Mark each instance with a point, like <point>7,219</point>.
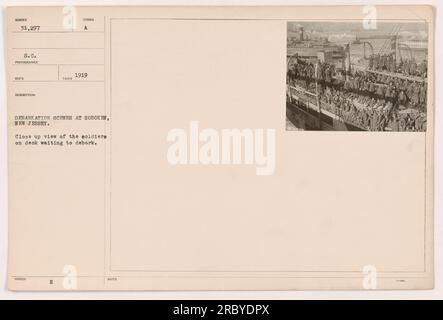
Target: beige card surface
<point>220,148</point>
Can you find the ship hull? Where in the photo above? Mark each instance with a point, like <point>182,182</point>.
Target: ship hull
<point>304,118</point>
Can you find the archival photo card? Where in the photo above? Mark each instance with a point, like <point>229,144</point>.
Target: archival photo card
<point>150,148</point>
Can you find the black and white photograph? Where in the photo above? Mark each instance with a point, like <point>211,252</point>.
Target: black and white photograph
<point>348,76</point>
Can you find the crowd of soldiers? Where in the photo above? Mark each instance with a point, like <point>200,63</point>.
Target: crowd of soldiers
<point>388,62</point>
<point>373,101</point>
<point>401,92</point>
<point>370,113</point>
